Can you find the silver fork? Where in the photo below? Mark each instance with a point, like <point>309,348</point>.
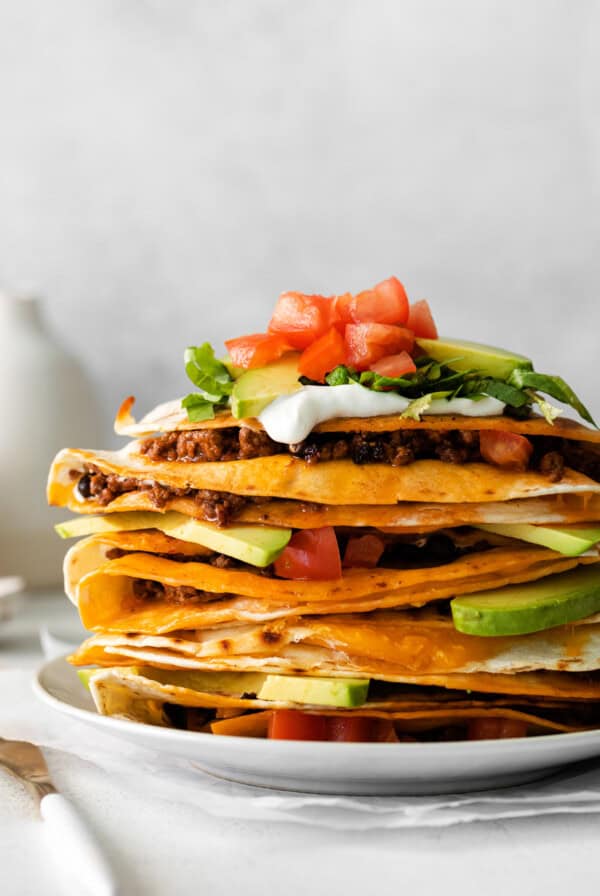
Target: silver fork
<point>74,846</point>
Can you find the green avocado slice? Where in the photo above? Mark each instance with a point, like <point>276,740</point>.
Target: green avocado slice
<point>256,545</point>
<point>255,389</point>
<point>343,692</point>
<point>569,540</point>
<point>462,355</point>
<point>84,676</point>
<point>340,692</point>
<point>231,684</point>
<point>533,607</point>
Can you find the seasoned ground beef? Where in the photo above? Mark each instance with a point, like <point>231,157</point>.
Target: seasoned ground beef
<point>215,507</point>
<point>550,455</point>
<point>396,448</point>
<point>146,590</point>
<point>583,457</point>
<point>552,465</point>
<point>204,445</point>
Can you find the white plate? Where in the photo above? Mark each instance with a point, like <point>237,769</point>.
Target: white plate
<point>318,767</point>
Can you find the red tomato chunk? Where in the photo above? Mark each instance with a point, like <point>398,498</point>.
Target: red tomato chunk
<point>395,365</point>
<point>386,303</point>
<point>310,554</point>
<point>494,728</point>
<point>293,724</point>
<point>364,551</point>
<point>301,319</point>
<point>505,449</point>
<point>323,355</point>
<point>256,350</point>
<point>420,320</point>
<point>368,343</point>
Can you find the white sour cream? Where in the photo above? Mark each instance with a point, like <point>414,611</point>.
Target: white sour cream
<point>290,418</point>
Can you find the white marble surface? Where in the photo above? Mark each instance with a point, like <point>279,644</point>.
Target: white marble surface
<point>167,848</point>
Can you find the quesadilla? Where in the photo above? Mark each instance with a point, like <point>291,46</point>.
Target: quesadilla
<point>353,530</point>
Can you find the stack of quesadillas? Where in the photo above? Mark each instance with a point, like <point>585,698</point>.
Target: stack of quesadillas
<point>384,576</point>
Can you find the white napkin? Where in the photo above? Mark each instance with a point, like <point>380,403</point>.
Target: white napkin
<point>576,790</point>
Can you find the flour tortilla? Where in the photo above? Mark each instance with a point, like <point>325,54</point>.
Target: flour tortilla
<point>336,482</point>
<point>402,517</point>
<point>384,645</point>
<point>138,696</point>
<point>103,589</point>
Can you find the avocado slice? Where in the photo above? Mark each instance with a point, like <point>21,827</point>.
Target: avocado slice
<point>520,609</point>
<point>256,545</point>
<point>232,684</point>
<point>84,676</point>
<point>232,369</point>
<point>345,692</point>
<point>569,540</point>
<point>461,355</point>
<point>255,389</point>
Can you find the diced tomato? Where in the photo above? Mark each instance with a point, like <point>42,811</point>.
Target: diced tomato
<point>394,365</point>
<point>392,296</point>
<point>364,551</point>
<point>310,554</point>
<point>301,319</point>
<point>257,349</point>
<point>386,303</point>
<point>341,310</point>
<point>420,320</point>
<point>493,728</point>
<point>352,728</point>
<point>323,355</point>
<point>368,343</point>
<point>293,724</point>
<point>505,449</point>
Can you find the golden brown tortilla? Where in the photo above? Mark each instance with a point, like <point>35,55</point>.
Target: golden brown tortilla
<point>385,645</point>
<point>336,482</point>
<point>137,695</point>
<point>104,589</point>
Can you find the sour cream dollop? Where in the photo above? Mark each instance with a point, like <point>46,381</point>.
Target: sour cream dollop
<point>290,418</point>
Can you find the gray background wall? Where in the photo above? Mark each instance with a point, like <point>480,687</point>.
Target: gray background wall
<point>167,168</point>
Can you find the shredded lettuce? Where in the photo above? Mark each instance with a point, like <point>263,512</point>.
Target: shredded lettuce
<point>198,408</point>
<point>211,377</point>
<point>417,407</point>
<point>554,386</point>
<point>549,411</point>
<point>518,392</point>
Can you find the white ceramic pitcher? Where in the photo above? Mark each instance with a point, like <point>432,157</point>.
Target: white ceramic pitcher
<point>46,403</point>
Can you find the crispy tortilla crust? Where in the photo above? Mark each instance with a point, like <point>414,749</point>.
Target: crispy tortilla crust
<point>170,417</point>
<point>420,517</point>
<point>384,645</point>
<point>125,694</point>
<point>564,686</point>
<point>402,517</point>
<point>103,590</point>
<point>89,554</point>
<point>337,482</point>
